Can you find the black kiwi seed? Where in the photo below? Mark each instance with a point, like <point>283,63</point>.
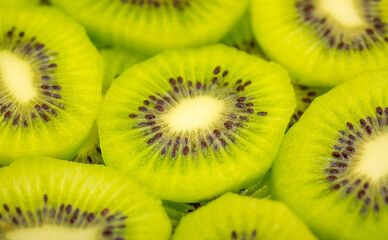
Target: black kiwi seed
<point>339,172</point>
<point>178,4</point>
<point>43,62</point>
<point>251,236</point>
<point>375,32</point>
<point>149,117</point>
<point>110,224</point>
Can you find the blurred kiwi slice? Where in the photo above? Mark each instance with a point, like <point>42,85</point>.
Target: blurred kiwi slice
<point>22,2</point>
<point>50,84</point>
<point>192,124</point>
<point>116,61</point>
<point>332,168</point>
<point>304,97</point>
<point>241,37</point>
<point>65,200</point>
<point>236,217</point>
<point>150,26</point>
<point>90,152</point>
<point>323,42</point>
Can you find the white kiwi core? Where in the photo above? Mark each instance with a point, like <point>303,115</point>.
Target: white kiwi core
<point>17,76</point>
<point>48,232</point>
<point>196,113</point>
<point>373,161</point>
<point>347,13</point>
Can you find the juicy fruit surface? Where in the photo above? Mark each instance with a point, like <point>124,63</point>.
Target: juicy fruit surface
<point>304,97</point>
<point>152,26</point>
<point>76,201</point>
<point>90,151</point>
<point>50,84</point>
<point>116,61</point>
<point>323,42</point>
<point>236,217</point>
<point>335,177</point>
<point>252,101</point>
<point>241,37</point>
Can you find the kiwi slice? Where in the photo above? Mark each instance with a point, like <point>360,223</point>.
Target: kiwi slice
<point>115,62</point>
<point>241,37</point>
<point>90,151</point>
<point>332,168</point>
<point>236,217</point>
<point>260,189</point>
<point>66,200</point>
<point>304,97</point>
<point>192,124</point>
<point>323,42</point>
<point>20,2</point>
<point>177,210</point>
<point>50,84</point>
<point>150,26</point>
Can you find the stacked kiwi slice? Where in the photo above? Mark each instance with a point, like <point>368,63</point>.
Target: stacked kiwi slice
<point>323,42</point>
<point>50,86</point>
<point>150,26</point>
<point>193,119</point>
<point>335,177</point>
<point>188,123</point>
<point>236,217</point>
<point>66,200</point>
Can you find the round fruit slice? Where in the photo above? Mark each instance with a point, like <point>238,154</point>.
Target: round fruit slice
<point>65,200</point>
<point>192,124</point>
<point>116,61</point>
<point>150,26</point>
<point>235,217</point>
<point>50,84</point>
<point>332,169</point>
<point>304,97</point>
<point>323,42</point>
<point>241,37</point>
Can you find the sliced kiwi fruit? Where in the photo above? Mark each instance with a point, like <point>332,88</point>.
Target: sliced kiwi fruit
<point>177,210</point>
<point>20,2</point>
<point>241,37</point>
<point>323,42</point>
<point>260,189</point>
<point>150,26</point>
<point>304,97</point>
<point>116,61</point>
<point>65,200</point>
<point>236,217</point>
<point>191,124</point>
<point>332,169</point>
<point>90,152</point>
<point>50,84</point>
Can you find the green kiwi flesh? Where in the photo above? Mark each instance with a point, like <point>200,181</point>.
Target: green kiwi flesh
<point>116,61</point>
<point>332,168</point>
<point>50,84</point>
<point>54,199</point>
<point>241,37</point>
<point>323,42</point>
<point>236,217</point>
<point>152,26</point>
<point>188,123</point>
<point>23,3</point>
<point>304,97</point>
<point>90,152</point>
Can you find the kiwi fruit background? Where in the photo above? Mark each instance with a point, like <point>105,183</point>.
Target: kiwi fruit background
<point>218,119</point>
